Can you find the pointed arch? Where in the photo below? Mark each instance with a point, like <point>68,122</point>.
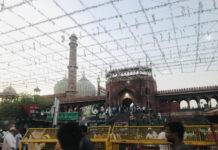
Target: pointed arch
<point>202,102</point>
<point>183,104</point>
<point>193,104</point>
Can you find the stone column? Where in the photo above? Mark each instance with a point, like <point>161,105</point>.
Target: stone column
<point>208,99</point>
<point>198,100</point>
<point>72,67</point>
<point>188,101</point>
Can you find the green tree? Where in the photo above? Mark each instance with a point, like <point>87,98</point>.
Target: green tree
<point>13,111</point>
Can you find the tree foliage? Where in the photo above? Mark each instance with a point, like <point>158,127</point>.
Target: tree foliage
<point>13,110</point>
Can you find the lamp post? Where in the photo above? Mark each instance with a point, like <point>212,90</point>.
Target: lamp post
<point>37,91</point>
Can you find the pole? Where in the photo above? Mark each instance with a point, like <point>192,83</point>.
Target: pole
<point>56,110</point>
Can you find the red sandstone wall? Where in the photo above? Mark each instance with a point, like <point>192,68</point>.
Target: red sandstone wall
<point>143,90</point>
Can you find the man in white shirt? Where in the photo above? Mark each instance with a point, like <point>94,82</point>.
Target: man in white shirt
<point>9,142</point>
<point>151,134</point>
<point>18,138</point>
<point>162,136</point>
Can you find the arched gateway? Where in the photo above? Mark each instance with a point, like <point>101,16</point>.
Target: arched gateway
<point>126,98</point>
<point>131,85</point>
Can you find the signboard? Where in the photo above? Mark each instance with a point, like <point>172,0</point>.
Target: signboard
<point>65,116</point>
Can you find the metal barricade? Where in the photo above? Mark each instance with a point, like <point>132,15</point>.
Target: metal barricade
<point>201,135</point>
<point>137,137</point>
<point>122,137</point>
<point>40,139</point>
<point>99,135</point>
<point>146,137</point>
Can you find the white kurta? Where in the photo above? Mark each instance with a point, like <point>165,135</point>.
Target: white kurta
<point>162,135</point>
<point>9,142</point>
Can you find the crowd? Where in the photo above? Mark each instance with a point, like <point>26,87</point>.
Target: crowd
<point>134,114</point>
<point>72,136</point>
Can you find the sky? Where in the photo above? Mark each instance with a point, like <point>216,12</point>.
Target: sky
<point>177,38</point>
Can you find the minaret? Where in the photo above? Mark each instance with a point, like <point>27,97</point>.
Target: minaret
<point>72,67</point>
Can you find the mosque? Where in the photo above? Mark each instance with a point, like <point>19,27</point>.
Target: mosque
<point>128,87</point>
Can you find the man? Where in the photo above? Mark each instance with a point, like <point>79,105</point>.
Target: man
<point>69,136</point>
<point>162,136</point>
<point>151,134</point>
<point>85,143</point>
<point>72,137</point>
<point>18,138</point>
<point>9,142</point>
<point>175,134</point>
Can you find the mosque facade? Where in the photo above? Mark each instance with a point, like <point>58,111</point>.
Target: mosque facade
<point>126,87</point>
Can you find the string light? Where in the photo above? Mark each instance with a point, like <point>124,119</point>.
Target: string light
<point>153,18</point>
<point>214,4</point>
<point>128,22</point>
<point>62,38</point>
<point>136,23</point>
<point>208,36</point>
<point>2,5</point>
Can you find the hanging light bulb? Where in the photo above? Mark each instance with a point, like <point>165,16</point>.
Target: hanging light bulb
<point>161,36</point>
<point>180,33</point>
<point>98,30</point>
<point>84,52</point>
<point>154,41</point>
<point>169,37</point>
<point>214,4</point>
<point>153,18</point>
<point>188,10</point>
<point>208,36</point>
<point>125,45</point>
<point>119,26</point>
<point>23,48</point>
<point>136,23</point>
<point>62,38</point>
<point>34,46</point>
<point>2,5</point>
<point>187,47</point>
<point>182,10</point>
<point>200,6</point>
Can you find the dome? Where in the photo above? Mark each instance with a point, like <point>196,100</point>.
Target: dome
<point>9,91</point>
<point>85,87</point>
<point>61,86</point>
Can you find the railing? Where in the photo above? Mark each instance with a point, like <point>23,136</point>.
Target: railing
<point>192,89</point>
<point>39,138</point>
<point>99,135</point>
<point>137,134</point>
<point>107,138</point>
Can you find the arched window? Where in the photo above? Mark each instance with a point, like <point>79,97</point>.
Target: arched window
<point>193,104</point>
<point>213,102</point>
<point>203,102</point>
<point>183,104</point>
